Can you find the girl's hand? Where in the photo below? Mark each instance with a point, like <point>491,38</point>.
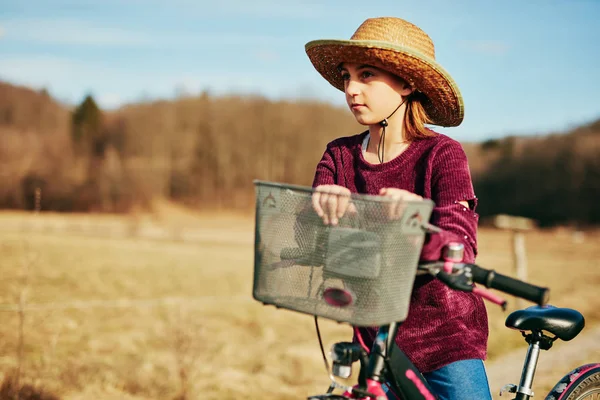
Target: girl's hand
<point>331,202</point>
<point>400,197</point>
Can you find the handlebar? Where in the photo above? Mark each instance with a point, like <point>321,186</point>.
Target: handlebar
<point>459,280</point>
<point>493,280</point>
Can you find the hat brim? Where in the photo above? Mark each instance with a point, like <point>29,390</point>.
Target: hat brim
<point>444,105</point>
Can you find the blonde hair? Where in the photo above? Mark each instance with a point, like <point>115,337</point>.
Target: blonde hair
<point>415,118</point>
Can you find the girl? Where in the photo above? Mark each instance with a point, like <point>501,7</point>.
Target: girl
<point>394,86</point>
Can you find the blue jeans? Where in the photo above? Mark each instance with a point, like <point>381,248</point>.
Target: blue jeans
<point>461,380</point>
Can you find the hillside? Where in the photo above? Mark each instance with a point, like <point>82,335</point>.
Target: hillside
<point>204,151</point>
<point>34,142</point>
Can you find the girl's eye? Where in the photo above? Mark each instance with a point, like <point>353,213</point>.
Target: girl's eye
<point>366,74</point>
<point>345,76</point>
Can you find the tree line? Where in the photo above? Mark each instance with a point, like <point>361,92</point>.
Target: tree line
<point>204,151</point>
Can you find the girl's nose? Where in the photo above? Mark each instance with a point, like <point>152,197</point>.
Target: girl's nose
<point>352,88</point>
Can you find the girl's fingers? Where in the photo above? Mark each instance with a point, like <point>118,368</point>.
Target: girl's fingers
<point>324,206</point>
<point>400,207</point>
<point>316,198</point>
<point>331,208</point>
<point>343,202</point>
<point>399,199</point>
<point>395,208</point>
<point>352,209</point>
<point>331,202</point>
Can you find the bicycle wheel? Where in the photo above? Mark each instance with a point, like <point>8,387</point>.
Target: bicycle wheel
<point>583,383</point>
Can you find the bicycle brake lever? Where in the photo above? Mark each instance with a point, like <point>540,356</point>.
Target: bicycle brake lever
<point>486,294</point>
<point>455,281</point>
<point>431,268</point>
<point>463,282</point>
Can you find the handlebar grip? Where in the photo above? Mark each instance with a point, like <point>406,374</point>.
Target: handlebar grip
<point>506,284</point>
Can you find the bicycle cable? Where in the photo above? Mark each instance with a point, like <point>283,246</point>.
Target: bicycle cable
<point>333,384</point>
<point>321,345</point>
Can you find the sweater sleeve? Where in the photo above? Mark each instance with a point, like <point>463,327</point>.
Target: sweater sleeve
<point>325,172</point>
<point>451,183</point>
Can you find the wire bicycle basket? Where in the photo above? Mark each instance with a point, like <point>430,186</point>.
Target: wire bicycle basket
<point>360,271</point>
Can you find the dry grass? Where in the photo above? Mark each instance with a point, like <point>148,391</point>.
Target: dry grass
<point>209,339</point>
<point>569,267</point>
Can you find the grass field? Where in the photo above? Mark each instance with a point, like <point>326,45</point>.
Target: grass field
<point>143,317</point>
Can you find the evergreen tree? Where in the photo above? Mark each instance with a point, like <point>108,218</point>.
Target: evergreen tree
<point>87,129</point>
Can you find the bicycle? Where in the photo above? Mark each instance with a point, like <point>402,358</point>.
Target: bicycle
<point>348,272</point>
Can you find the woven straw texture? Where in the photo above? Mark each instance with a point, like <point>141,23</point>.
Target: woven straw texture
<point>401,48</point>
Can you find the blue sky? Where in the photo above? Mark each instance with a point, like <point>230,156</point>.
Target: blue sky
<point>523,66</point>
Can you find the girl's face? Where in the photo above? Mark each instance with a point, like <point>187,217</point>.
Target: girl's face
<point>372,93</point>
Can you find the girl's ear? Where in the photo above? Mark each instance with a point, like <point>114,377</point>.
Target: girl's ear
<point>406,90</point>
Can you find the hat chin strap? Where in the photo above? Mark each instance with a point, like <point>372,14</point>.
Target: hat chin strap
<point>383,124</point>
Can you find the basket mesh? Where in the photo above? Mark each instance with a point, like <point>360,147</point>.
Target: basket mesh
<point>367,258</point>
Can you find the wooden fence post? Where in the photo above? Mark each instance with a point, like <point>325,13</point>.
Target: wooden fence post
<point>517,225</point>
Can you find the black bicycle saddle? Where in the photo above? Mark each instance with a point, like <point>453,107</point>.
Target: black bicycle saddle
<point>564,323</point>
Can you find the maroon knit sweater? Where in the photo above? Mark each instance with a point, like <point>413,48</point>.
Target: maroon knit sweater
<point>443,325</point>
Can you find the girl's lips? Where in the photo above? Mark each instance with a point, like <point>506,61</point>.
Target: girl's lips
<point>357,106</point>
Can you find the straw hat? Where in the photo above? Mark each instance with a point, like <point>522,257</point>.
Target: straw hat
<point>401,48</point>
